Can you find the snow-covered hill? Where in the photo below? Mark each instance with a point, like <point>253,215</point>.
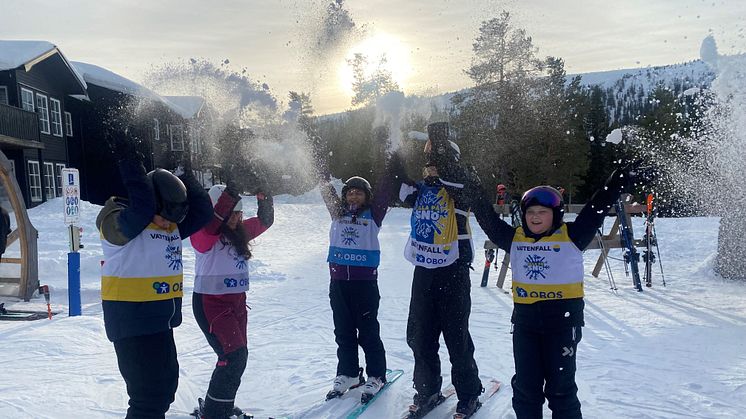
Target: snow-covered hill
<point>674,352</point>
<point>625,93</point>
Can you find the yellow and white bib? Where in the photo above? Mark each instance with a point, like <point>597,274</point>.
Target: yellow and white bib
<point>549,269</point>
<point>433,242</point>
<point>147,268</point>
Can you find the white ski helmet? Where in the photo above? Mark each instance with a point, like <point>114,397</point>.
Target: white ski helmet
<point>215,193</point>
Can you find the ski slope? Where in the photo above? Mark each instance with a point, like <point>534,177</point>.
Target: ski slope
<point>674,352</point>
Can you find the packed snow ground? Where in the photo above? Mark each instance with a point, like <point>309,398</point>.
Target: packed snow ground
<point>674,352</point>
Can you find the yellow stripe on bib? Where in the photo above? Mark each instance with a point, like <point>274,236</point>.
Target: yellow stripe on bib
<point>530,293</point>
<point>141,289</point>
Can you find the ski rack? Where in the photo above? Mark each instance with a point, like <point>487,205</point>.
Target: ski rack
<point>612,240</point>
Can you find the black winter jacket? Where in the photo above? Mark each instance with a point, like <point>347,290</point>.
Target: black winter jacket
<point>582,231</point>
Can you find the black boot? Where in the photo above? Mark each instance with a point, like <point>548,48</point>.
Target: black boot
<point>422,405</point>
<point>466,408</point>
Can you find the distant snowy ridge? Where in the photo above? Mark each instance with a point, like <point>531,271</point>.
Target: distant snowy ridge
<point>649,77</point>
<point>625,91</point>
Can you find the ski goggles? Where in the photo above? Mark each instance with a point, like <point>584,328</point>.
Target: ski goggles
<point>546,196</point>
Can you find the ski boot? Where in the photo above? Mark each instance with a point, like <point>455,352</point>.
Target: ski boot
<point>236,413</point>
<point>371,388</point>
<point>198,411</point>
<point>343,383</point>
<point>424,404</point>
<point>466,408</point>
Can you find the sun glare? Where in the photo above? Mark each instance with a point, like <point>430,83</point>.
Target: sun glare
<point>374,49</point>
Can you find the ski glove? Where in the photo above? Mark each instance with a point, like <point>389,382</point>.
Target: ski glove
<point>265,210</point>
<point>125,148</point>
<point>222,211</point>
<point>625,179</point>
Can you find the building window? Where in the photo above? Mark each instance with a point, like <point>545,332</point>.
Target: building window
<point>58,177</point>
<point>34,180</point>
<point>195,140</point>
<point>68,124</point>
<point>56,117</point>
<point>176,134</point>
<point>42,109</point>
<point>3,95</point>
<point>27,99</point>
<point>49,180</point>
<point>156,130</point>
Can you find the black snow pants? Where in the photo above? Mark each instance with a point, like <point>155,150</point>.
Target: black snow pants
<point>545,350</point>
<point>441,303</point>
<point>355,311</point>
<point>150,369</point>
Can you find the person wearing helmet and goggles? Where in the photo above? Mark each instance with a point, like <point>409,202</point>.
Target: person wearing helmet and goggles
<point>547,268</point>
<point>142,276</point>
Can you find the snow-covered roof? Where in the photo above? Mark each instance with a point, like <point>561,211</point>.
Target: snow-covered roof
<point>14,54</point>
<point>102,77</point>
<point>191,104</point>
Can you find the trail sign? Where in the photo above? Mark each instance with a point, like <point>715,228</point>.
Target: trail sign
<point>71,194</point>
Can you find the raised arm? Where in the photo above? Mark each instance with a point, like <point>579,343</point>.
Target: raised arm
<point>265,216</point>
<point>120,221</point>
<point>582,231</point>
<point>200,208</point>
<point>331,199</point>
<point>464,185</point>
<point>387,185</point>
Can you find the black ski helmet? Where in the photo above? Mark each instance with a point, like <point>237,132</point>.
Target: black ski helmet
<point>358,182</point>
<point>546,196</point>
<point>170,195</point>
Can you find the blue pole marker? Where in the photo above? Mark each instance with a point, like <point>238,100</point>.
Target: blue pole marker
<point>73,282</point>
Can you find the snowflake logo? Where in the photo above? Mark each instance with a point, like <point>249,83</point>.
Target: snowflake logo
<point>173,256</point>
<point>535,266</point>
<point>240,261</point>
<point>349,235</point>
<point>431,210</point>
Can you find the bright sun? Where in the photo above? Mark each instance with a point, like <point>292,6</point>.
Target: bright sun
<point>374,48</point>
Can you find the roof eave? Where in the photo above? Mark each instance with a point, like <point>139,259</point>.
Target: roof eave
<point>78,78</point>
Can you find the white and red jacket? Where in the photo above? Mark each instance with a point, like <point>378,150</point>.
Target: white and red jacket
<point>219,270</point>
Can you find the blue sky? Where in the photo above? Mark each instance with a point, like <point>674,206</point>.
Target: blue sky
<point>428,42</point>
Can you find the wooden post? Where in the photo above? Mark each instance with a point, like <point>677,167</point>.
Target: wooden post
<point>27,283</point>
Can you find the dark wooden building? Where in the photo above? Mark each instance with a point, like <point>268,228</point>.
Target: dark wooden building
<point>36,124</point>
<point>119,109</point>
<point>55,113</point>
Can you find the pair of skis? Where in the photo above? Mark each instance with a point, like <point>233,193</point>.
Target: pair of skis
<point>417,412</point>
<point>631,255</point>
<point>650,240</point>
<point>353,413</point>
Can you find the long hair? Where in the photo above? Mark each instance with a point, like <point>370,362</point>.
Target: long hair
<point>238,239</point>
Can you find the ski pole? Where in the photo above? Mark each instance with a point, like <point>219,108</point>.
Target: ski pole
<point>612,283</point>
<point>660,262</point>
